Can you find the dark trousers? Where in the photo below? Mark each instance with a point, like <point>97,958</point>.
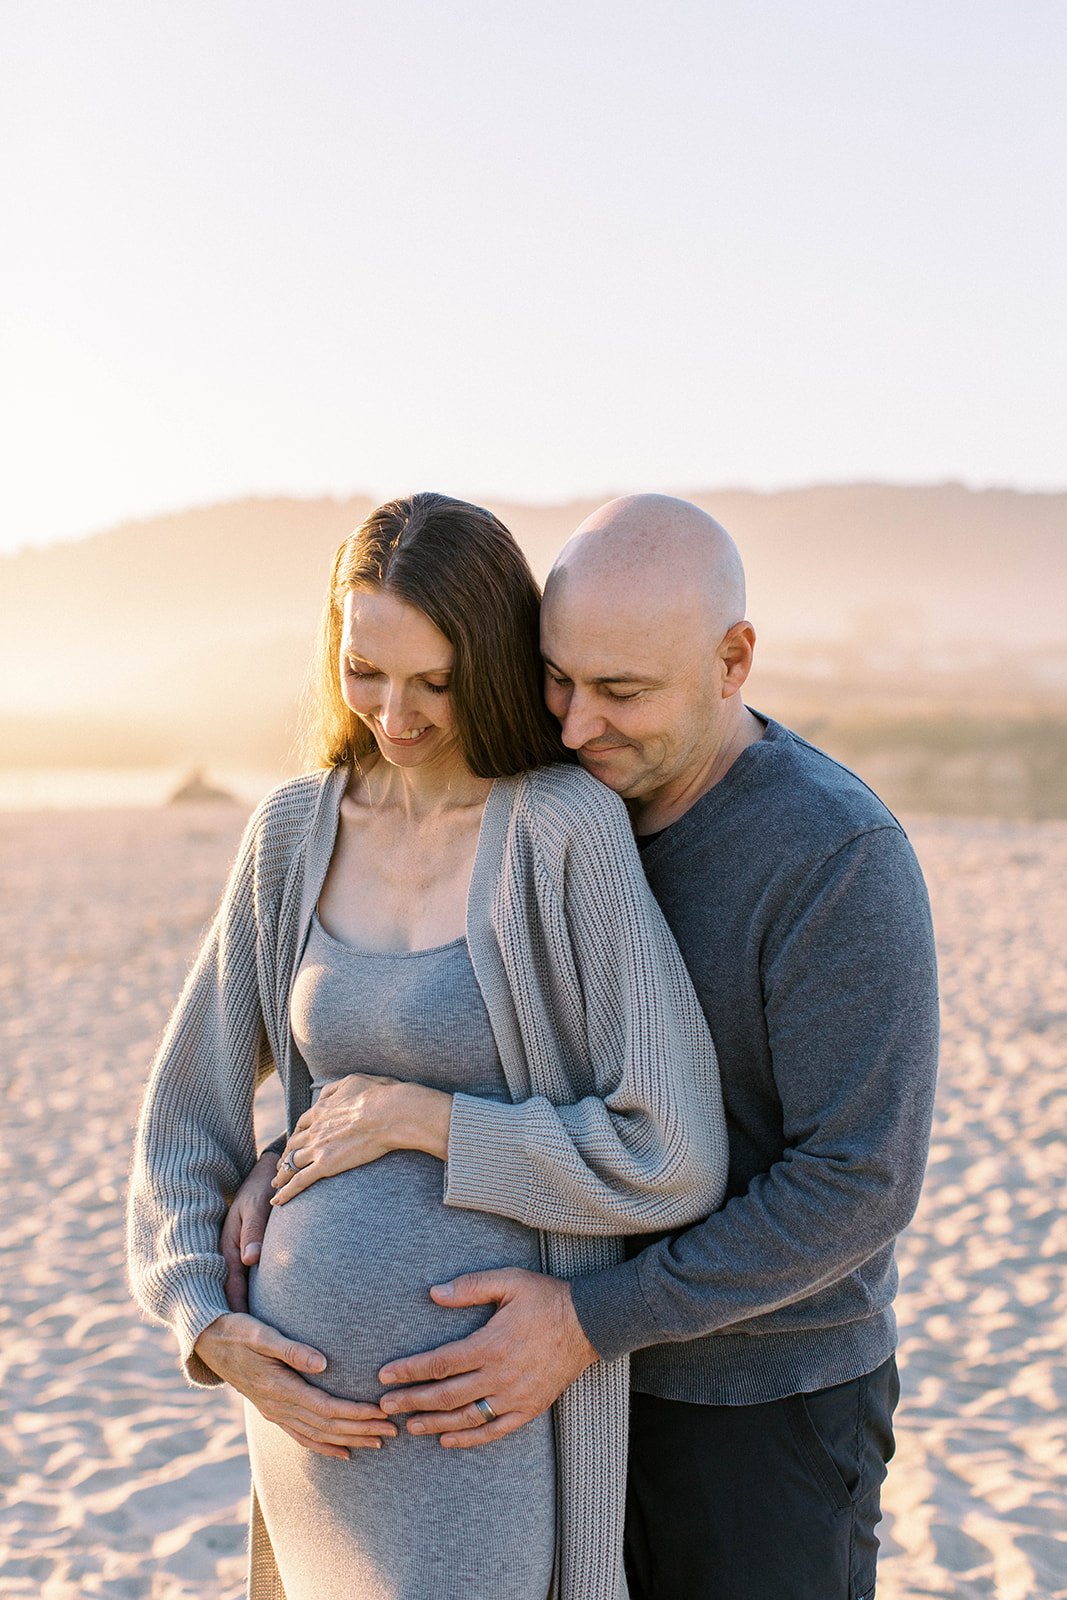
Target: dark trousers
<point>762,1502</point>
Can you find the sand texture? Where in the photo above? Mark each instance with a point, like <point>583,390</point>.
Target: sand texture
<point>117,1480</point>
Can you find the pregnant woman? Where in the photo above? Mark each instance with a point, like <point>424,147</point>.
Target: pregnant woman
<point>491,1054</point>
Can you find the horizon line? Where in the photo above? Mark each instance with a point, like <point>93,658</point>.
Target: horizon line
<point>47,542</point>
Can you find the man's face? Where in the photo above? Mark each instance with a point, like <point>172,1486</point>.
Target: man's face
<point>633,684</point>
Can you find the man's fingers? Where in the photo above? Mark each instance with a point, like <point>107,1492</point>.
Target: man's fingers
<point>461,1420</point>
<point>474,1289</point>
<point>236,1286</point>
<point>451,1395</point>
<point>447,1361</point>
<point>253,1226</point>
<point>467,1438</point>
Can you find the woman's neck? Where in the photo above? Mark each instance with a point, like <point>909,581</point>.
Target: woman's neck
<point>420,791</point>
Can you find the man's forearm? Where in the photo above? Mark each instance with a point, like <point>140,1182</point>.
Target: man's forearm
<point>849,989</point>
<point>780,1243</point>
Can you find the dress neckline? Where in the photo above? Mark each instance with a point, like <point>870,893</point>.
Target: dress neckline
<point>358,950</point>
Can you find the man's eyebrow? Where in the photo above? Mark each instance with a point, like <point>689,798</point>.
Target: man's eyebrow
<point>614,677</point>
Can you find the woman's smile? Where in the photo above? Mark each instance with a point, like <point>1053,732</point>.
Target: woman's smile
<point>412,737</point>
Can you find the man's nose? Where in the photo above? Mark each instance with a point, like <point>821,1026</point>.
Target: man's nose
<point>581,723</point>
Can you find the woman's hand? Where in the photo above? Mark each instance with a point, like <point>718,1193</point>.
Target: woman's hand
<point>266,1367</point>
<point>357,1120</point>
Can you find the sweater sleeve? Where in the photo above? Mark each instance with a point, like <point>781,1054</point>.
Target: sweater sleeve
<point>850,997</point>
<point>648,1149</point>
<point>195,1139</point>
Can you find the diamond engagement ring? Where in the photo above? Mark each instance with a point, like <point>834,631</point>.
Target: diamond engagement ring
<point>289,1164</point>
<point>486,1410</point>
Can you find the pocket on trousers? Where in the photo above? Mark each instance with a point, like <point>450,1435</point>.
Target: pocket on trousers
<point>825,1429</point>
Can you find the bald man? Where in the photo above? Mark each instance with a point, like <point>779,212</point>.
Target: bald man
<point>761,1339</point>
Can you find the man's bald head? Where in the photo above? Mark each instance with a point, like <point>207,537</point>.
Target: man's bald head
<point>667,551</point>
<point>646,649</point>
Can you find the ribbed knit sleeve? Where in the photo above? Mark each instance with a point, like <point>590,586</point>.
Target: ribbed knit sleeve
<point>645,1149</point>
<point>195,1140</point>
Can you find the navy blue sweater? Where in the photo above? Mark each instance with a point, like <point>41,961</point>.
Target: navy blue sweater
<point>803,918</point>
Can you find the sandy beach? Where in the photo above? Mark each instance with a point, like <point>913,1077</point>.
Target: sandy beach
<point>117,1480</point>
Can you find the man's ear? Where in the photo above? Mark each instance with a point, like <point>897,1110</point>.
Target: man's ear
<point>735,653</point>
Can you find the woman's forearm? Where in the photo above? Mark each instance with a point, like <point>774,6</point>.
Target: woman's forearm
<point>423,1119</point>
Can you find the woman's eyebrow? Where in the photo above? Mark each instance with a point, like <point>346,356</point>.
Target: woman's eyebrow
<point>423,672</point>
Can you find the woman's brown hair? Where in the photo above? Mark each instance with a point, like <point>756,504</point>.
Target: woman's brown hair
<point>459,566</point>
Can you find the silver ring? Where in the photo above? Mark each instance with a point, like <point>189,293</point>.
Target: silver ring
<point>486,1410</point>
<point>289,1164</point>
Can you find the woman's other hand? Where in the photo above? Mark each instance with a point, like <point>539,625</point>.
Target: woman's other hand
<point>357,1120</point>
<point>265,1366</point>
<point>242,1232</point>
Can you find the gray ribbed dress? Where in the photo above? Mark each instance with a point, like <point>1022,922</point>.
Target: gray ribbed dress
<point>346,1267</point>
<point>614,1122</point>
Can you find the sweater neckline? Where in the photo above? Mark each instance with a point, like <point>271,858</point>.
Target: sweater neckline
<point>721,793</point>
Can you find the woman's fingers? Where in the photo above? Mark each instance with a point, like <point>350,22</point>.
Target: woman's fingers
<point>293,1182</point>
<point>322,1420</point>
<point>302,1157</point>
<point>314,1445</point>
<point>336,1430</point>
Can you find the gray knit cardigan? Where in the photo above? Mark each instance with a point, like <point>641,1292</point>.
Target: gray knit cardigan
<point>616,1125</point>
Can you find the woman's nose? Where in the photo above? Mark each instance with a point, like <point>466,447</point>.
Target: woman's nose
<point>393,712</point>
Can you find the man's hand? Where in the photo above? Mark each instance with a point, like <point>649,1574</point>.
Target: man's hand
<point>264,1366</point>
<point>521,1361</point>
<point>242,1232</point>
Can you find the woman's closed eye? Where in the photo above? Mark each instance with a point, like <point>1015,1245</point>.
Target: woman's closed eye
<point>362,676</point>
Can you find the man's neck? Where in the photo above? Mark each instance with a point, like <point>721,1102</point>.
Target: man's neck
<point>666,805</point>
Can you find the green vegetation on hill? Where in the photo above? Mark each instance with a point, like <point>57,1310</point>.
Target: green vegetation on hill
<point>954,765</point>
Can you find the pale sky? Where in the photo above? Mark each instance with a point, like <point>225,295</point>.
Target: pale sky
<point>524,250</point>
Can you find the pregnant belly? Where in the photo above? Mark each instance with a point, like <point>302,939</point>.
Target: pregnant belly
<point>347,1267</point>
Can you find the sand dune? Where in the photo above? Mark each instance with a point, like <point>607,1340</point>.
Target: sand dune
<point>116,1480</point>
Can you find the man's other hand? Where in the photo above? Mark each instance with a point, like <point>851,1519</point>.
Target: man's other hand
<point>242,1232</point>
<point>520,1362</point>
<point>265,1366</point>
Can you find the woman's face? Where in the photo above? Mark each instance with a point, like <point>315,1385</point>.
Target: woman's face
<point>396,667</point>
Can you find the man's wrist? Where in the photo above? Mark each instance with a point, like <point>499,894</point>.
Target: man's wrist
<point>613,1312</point>
<point>584,1348</point>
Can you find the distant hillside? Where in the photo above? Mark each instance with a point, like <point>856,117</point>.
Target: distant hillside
<point>186,637</point>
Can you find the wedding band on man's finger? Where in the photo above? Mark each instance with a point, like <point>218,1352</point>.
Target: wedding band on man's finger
<point>486,1410</point>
